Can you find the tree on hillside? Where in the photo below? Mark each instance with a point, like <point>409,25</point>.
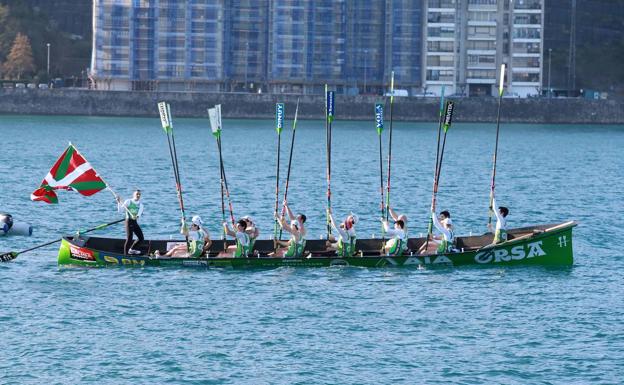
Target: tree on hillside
<point>20,59</point>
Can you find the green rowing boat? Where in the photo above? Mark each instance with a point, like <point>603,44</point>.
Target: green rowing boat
<point>535,245</point>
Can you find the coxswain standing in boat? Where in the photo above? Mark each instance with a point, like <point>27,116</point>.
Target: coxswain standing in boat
<point>397,244</point>
<point>241,250</point>
<point>295,247</point>
<point>133,209</point>
<point>500,233</point>
<point>345,247</point>
<point>199,240</point>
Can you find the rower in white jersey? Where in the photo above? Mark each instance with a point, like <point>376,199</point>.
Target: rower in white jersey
<point>397,242</point>
<point>199,240</point>
<point>133,209</point>
<point>243,241</point>
<point>251,230</point>
<point>445,226</point>
<point>398,217</point>
<point>295,247</point>
<point>500,233</point>
<point>345,246</point>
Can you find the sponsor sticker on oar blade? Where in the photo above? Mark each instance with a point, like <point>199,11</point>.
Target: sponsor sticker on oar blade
<point>165,113</point>
<point>279,117</point>
<point>379,123</point>
<point>448,116</point>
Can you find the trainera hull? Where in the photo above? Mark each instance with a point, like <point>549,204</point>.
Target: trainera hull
<point>552,246</point>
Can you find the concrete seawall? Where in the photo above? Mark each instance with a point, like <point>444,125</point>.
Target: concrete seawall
<point>253,106</point>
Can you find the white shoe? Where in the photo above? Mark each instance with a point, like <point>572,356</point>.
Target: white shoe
<point>135,252</point>
<point>156,254</point>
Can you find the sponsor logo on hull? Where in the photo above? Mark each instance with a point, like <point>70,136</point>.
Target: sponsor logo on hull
<point>428,260</point>
<point>81,254</point>
<point>516,253</point>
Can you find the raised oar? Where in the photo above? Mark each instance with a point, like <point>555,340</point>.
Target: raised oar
<point>435,169</point>
<point>379,107</point>
<point>448,118</point>
<point>165,118</point>
<point>279,125</point>
<point>216,132</point>
<point>292,146</point>
<point>11,255</point>
<point>390,146</point>
<point>329,118</point>
<point>215,123</point>
<point>500,100</point>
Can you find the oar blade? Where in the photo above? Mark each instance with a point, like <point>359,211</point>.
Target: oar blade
<point>214,122</point>
<point>8,257</point>
<point>279,117</point>
<point>165,116</point>
<point>379,117</point>
<point>448,117</point>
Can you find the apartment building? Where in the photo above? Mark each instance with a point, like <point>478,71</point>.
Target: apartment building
<point>468,40</point>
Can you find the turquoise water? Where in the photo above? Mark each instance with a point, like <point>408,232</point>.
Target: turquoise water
<point>338,325</point>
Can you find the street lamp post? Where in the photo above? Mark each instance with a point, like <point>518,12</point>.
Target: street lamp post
<point>365,68</point>
<point>549,61</point>
<point>246,61</point>
<point>48,45</point>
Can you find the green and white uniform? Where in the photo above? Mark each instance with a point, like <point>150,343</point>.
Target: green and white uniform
<point>346,242</point>
<point>500,234</point>
<point>397,245</point>
<point>196,242</point>
<point>296,246</point>
<point>133,208</point>
<point>448,237</point>
<point>242,245</point>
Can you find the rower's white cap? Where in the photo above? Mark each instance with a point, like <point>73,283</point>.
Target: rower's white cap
<point>248,218</point>
<point>197,220</point>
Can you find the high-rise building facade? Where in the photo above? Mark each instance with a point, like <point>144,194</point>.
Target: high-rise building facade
<point>468,40</point>
<point>257,45</point>
<point>157,44</point>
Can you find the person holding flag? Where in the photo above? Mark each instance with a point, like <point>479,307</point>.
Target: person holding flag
<point>133,209</point>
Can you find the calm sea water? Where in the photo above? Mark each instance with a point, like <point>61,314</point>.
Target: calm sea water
<point>303,326</point>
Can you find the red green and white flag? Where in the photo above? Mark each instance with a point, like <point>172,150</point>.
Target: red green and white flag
<point>71,172</point>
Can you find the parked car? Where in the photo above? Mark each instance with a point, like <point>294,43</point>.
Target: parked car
<point>20,85</point>
<point>43,86</point>
<point>511,95</point>
<point>32,86</point>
